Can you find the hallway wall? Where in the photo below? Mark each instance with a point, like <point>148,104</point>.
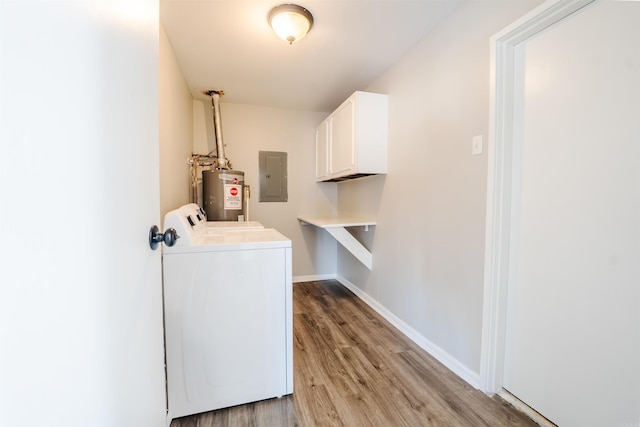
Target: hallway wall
<point>428,246</point>
<point>176,129</point>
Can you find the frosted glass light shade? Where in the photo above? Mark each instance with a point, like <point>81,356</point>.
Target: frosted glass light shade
<point>290,22</point>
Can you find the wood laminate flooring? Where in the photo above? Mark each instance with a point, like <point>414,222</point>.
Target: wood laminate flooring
<point>352,368</point>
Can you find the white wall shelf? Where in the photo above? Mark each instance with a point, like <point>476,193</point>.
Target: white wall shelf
<point>337,227</point>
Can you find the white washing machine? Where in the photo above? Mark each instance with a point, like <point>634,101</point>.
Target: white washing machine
<point>228,315</point>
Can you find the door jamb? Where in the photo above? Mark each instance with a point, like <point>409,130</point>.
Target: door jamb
<point>501,107</point>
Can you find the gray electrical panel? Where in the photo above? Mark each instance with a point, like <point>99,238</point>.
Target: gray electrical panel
<point>272,167</point>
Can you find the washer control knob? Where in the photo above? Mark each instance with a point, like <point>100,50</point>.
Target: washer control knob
<point>169,237</point>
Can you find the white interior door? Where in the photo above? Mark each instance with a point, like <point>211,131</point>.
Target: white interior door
<point>572,347</point>
<point>81,339</point>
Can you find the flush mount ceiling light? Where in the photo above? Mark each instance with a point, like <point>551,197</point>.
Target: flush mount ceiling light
<point>290,22</point>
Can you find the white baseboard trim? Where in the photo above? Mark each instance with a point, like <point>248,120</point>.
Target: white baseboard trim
<point>473,378</point>
<point>297,279</point>
<point>523,407</point>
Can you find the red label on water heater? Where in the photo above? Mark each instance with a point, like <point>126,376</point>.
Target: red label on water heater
<point>233,197</point>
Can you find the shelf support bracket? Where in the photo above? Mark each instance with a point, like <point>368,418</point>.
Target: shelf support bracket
<point>351,244</point>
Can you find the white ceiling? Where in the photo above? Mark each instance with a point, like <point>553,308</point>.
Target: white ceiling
<point>228,45</point>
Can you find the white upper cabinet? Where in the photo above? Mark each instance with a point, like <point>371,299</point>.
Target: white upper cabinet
<point>352,141</point>
<point>322,151</point>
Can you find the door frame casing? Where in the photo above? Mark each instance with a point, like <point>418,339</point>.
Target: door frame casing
<point>499,169</point>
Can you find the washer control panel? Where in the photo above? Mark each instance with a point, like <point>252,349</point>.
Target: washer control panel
<point>188,220</point>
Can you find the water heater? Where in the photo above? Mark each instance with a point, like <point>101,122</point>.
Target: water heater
<point>222,194</point>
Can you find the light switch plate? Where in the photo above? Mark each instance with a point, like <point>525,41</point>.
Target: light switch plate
<point>476,145</point>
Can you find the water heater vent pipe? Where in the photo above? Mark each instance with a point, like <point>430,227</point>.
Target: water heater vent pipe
<point>222,162</point>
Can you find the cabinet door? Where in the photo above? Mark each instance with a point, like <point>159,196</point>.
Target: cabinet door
<point>342,152</point>
<point>322,150</point>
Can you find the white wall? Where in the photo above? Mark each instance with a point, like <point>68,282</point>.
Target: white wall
<point>249,129</point>
<point>428,246</point>
<point>176,129</point>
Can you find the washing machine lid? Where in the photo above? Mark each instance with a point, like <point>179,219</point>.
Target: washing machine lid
<point>232,225</point>
<point>232,240</point>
